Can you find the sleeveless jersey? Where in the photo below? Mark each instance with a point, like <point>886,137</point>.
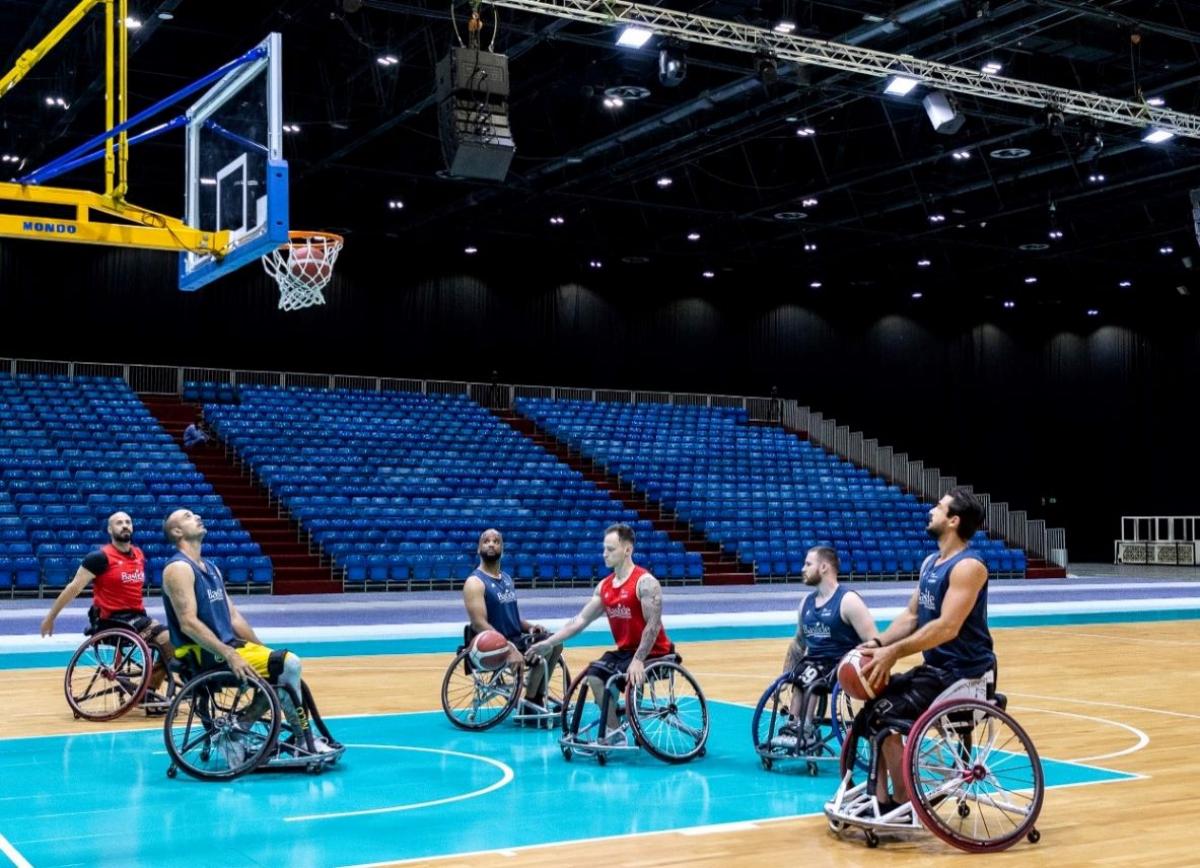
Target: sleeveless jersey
<point>826,635</point>
<point>501,599</point>
<point>625,616</point>
<point>211,605</point>
<point>119,586</point>
<point>969,654</point>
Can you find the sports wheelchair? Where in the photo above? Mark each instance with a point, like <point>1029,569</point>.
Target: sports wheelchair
<point>666,714</point>
<point>110,674</point>
<point>815,735</point>
<point>973,775</point>
<point>478,699</point>
<point>219,727</point>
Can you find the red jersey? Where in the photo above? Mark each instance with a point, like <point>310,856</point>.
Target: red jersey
<point>625,616</point>
<point>118,586</point>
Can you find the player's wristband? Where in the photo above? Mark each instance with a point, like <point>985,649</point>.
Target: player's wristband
<point>875,639</point>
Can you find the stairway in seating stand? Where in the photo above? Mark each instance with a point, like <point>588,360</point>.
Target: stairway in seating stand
<point>297,571</point>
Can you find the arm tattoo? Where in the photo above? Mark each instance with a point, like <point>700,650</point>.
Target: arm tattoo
<point>652,611</point>
<point>795,654</point>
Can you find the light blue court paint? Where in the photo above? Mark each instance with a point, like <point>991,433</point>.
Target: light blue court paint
<point>23,657</point>
<point>410,786</point>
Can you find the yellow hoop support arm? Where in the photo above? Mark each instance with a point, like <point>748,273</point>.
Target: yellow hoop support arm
<point>146,229</point>
<point>29,59</point>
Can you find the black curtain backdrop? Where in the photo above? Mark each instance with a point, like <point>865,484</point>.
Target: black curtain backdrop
<point>1077,420</point>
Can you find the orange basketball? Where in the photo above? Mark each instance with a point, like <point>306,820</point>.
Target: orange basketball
<point>489,651</point>
<point>307,261</point>
<point>850,676</point>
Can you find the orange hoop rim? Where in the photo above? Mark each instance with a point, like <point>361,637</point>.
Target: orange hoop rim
<point>301,238</point>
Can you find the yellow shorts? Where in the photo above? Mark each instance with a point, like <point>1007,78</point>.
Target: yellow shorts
<point>258,656</point>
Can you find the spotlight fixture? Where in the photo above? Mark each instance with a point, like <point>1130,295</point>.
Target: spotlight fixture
<point>961,155</point>
<point>57,101</point>
<point>805,132</point>
<point>1031,280</point>
<point>291,128</point>
<point>991,67</point>
<point>557,221</point>
<point>1055,234</point>
<point>395,204</point>
<point>1095,178</point>
<point>810,247</point>
<point>1166,250</point>
<point>1093,312</point>
<point>1156,101</point>
<point>785,27</point>
<point>387,60</point>
<point>937,218</point>
<point>918,295</point>
<point>810,203</point>
<point>900,85</point>
<point>708,275</point>
<point>613,102</point>
<point>470,251</point>
<point>693,236</point>
<point>923,263</point>
<point>1157,137</point>
<point>10,158</point>
<point>1125,284</point>
<point>634,37</point>
<point>816,284</point>
<point>786,23</point>
<point>132,23</point>
<point>1010,304</point>
<point>664,182</point>
<point>595,263</point>
<point>672,64</point>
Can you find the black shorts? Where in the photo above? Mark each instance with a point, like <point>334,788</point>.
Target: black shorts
<point>617,662</point>
<point>135,620</point>
<point>907,696</point>
<point>811,671</point>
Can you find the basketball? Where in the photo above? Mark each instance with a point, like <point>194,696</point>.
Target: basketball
<point>489,651</point>
<point>849,675</point>
<point>307,261</point>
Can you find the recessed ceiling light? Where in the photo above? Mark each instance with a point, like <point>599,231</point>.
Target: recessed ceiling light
<point>1093,312</point>
<point>1010,304</point>
<point>1055,234</point>
<point>693,236</point>
<point>937,218</point>
<point>1010,153</point>
<point>1125,284</point>
<point>1166,250</point>
<point>596,263</point>
<point>1095,178</point>
<point>805,132</point>
<point>816,284</point>
<point>387,60</point>
<point>557,221</point>
<point>810,203</point>
<point>809,247</point>
<point>917,295</point>
<point>395,204</point>
<point>664,182</point>
<point>208,182</point>
<point>900,85</point>
<point>634,37</point>
<point>708,274</point>
<point>470,251</point>
<point>923,263</point>
<point>961,155</point>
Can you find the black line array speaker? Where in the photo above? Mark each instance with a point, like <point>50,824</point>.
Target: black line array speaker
<point>1196,212</point>
<point>472,95</point>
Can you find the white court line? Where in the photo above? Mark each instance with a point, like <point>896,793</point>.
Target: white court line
<point>504,781</point>
<point>1111,637</point>
<point>1142,738</point>
<point>13,854</point>
<point>1109,705</point>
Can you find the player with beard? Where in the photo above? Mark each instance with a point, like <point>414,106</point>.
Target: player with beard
<point>831,621</point>
<point>119,570</point>
<point>946,619</point>
<point>491,601</point>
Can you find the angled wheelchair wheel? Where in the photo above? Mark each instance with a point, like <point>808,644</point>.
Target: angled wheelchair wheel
<point>668,712</point>
<point>219,728</point>
<point>475,699</point>
<point>843,708</point>
<point>108,674</point>
<point>974,776</point>
<point>580,718</point>
<point>558,687</point>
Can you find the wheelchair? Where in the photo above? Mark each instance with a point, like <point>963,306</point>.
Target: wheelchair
<point>667,715</point>
<point>973,774</point>
<point>478,699</point>
<point>110,674</point>
<point>218,727</point>
<point>815,736</point>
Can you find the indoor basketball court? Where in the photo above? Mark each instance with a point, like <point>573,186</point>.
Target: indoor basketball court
<point>598,275</point>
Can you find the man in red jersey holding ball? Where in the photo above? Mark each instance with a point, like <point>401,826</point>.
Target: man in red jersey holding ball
<point>631,598</point>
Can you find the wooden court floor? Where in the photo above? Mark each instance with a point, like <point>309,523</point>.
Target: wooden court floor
<point>1121,696</point>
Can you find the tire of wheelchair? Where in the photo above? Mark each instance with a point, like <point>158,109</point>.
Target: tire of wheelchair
<point>653,670</point>
<point>132,694</point>
<point>930,818</point>
<point>192,699</point>
<point>461,662</point>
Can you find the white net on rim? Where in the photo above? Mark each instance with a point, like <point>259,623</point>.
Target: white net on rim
<point>303,267</point>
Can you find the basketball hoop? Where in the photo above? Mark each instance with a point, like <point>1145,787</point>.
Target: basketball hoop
<point>302,267</point>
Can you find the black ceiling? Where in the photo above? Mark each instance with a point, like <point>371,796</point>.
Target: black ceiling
<point>879,173</point>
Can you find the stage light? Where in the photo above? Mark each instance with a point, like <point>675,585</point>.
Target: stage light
<point>672,64</point>
<point>900,85</point>
<point>1156,137</point>
<point>634,37</point>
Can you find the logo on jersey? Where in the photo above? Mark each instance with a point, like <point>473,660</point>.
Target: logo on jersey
<point>817,631</point>
<point>506,596</point>
<point>618,611</point>
<point>927,601</point>
<point>133,577</point>
<point>215,594</point>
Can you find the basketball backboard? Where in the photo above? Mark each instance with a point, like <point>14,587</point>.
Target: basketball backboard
<point>236,177</point>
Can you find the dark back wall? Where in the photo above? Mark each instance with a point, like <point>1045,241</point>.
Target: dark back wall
<point>1030,405</point>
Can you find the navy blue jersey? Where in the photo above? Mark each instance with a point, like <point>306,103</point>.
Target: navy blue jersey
<point>969,654</point>
<point>501,599</point>
<point>211,606</point>
<point>826,635</point>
